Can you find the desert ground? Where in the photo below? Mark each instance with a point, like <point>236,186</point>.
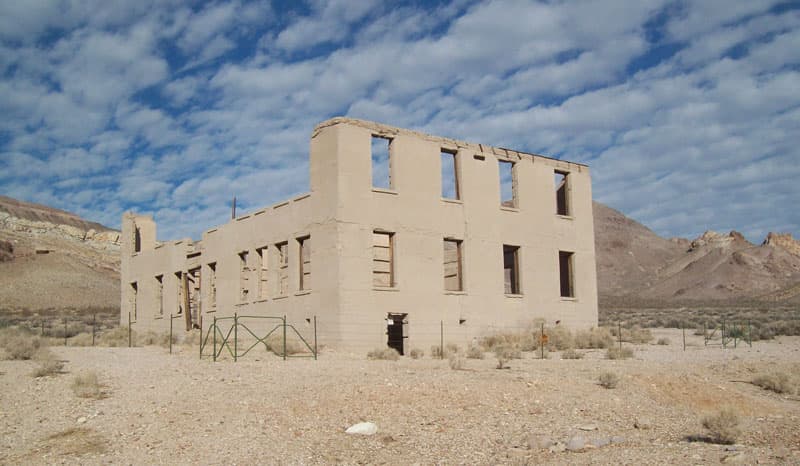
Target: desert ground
<point>157,408</point>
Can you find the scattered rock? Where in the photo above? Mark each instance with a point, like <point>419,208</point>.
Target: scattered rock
<point>601,442</point>
<point>362,428</point>
<point>576,443</point>
<point>557,447</point>
<point>642,423</point>
<point>536,442</point>
<point>736,457</point>
<point>588,427</point>
<point>617,439</point>
<point>81,420</point>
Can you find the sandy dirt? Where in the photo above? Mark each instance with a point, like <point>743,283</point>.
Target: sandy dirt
<point>178,409</point>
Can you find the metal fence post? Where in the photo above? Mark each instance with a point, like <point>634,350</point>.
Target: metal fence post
<point>130,342</point>
<point>724,343</point>
<point>541,341</point>
<point>284,337</point>
<point>170,334</point>
<point>749,335</point>
<point>705,334</point>
<point>215,338</point>
<point>619,334</point>
<point>65,331</point>
<point>42,327</point>
<point>441,339</point>
<point>315,338</point>
<point>201,336</point>
<point>94,326</point>
<point>683,328</point>
<point>235,336</point>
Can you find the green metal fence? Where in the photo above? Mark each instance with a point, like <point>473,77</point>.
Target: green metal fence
<point>224,332</point>
<point>730,333</point>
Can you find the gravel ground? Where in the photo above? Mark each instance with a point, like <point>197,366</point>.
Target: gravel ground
<point>176,409</point>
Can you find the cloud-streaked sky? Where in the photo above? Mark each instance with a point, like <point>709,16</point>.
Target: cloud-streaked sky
<point>688,112</point>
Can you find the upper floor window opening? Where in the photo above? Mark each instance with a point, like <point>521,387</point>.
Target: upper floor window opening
<point>381,156</point>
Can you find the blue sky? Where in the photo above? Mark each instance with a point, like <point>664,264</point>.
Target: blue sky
<point>687,112</point>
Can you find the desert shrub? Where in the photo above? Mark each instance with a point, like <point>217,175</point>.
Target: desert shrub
<point>416,353</point>
<point>456,361</point>
<point>777,382</point>
<point>608,380</point>
<point>475,352</point>
<point>151,338</point>
<point>451,348</point>
<point>192,338</point>
<point>595,337</point>
<point>723,427</point>
<point>524,341</point>
<point>637,334</point>
<point>663,341</point>
<point>81,339</point>
<point>388,354</point>
<point>47,363</point>
<point>275,344</point>
<point>504,354</point>
<point>116,337</point>
<point>87,385</point>
<point>436,352</point>
<point>571,354</point>
<point>619,353</point>
<point>559,338</point>
<point>21,346</point>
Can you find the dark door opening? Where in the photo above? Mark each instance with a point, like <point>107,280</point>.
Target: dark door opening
<point>394,331</point>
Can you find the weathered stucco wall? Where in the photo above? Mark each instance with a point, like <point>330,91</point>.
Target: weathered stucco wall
<point>342,212</point>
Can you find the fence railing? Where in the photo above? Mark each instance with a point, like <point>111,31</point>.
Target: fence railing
<point>224,331</point>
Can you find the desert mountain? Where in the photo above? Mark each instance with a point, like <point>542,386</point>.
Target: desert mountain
<point>634,262</point>
<point>52,259</point>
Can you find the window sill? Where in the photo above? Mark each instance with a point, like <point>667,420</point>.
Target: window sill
<point>262,300</point>
<point>385,288</point>
<point>514,295</point>
<point>158,317</point>
<point>384,191</point>
<point>454,292</point>
<point>569,298</point>
<point>283,296</point>
<point>213,311</point>
<point>241,304</point>
<point>302,292</point>
<point>565,217</point>
<point>452,201</point>
<point>509,209</point>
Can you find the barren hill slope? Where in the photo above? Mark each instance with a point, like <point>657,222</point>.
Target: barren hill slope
<point>53,259</point>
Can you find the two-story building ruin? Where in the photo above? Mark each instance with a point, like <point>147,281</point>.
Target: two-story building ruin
<point>452,237</point>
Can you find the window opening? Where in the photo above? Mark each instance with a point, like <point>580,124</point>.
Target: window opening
<point>137,239</point>
<point>381,162</point>
<point>452,265</point>
<point>508,183</point>
<point>382,259</point>
<point>212,286</point>
<point>134,295</point>
<point>565,266</point>
<point>283,268</point>
<point>194,289</point>
<point>305,262</point>
<point>244,277</point>
<point>263,273</point>
<point>511,269</point>
<point>160,294</point>
<point>179,290</point>
<point>562,193</point>
<point>450,188</point>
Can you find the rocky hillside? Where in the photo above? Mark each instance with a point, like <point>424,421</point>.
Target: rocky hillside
<point>52,259</point>
<point>635,263</point>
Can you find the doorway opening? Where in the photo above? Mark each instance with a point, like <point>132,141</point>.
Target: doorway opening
<point>395,330</point>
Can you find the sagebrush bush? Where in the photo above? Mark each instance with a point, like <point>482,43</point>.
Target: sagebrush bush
<point>47,363</point>
<point>663,341</point>
<point>275,344</point>
<point>436,352</point>
<point>504,354</point>
<point>22,346</point>
<point>571,354</point>
<point>416,353</point>
<point>777,382</point>
<point>81,339</point>
<point>451,348</point>
<point>116,337</point>
<point>388,354</point>
<point>723,427</point>
<point>608,380</point>
<point>616,353</point>
<point>456,361</point>
<point>595,337</point>
<point>559,338</point>
<point>475,352</point>
<point>87,385</point>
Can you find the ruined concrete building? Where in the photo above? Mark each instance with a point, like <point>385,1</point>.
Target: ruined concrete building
<point>450,237</point>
